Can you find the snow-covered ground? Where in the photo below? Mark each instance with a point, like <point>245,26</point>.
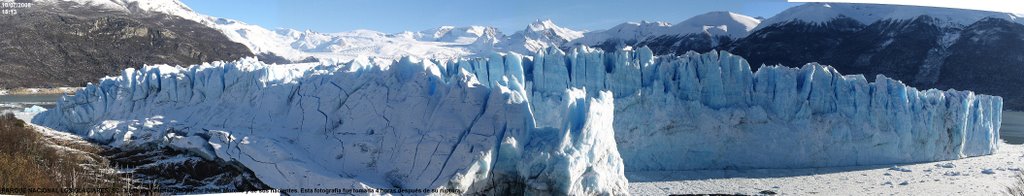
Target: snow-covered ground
<point>957,177</point>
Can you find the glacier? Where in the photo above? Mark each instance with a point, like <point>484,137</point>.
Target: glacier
<point>555,122</point>
<point>712,112</point>
<point>353,126</point>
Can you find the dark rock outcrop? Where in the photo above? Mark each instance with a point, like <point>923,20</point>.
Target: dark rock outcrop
<point>66,44</point>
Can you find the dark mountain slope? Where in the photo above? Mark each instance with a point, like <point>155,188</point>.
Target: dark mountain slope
<point>986,56</point>
<point>70,45</point>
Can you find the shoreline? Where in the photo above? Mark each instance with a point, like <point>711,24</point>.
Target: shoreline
<point>40,91</point>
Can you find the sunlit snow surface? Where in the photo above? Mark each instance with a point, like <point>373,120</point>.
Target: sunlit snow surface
<point>955,177</point>
<point>555,122</point>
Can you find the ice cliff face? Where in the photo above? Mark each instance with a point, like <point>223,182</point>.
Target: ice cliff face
<point>415,125</point>
<point>710,111</point>
<point>556,122</point>
<point>716,113</point>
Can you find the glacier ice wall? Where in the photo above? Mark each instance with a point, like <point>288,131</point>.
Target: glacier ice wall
<point>716,113</point>
<point>353,126</point>
<point>554,122</point>
<point>710,111</point>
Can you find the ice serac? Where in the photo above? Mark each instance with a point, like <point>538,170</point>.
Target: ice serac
<point>418,124</point>
<point>554,123</point>
<point>578,156</point>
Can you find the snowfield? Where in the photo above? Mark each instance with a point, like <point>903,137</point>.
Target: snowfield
<point>955,177</point>
<point>553,123</point>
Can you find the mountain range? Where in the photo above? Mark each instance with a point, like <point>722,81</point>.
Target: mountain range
<point>927,47</point>
<point>59,43</point>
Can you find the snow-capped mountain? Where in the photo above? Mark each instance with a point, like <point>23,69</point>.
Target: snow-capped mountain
<point>169,7</point>
<point>720,23</point>
<point>628,32</point>
<point>444,42</point>
<point>286,45</point>
<point>291,46</point>
<point>715,24</point>
<point>459,35</point>
<point>71,43</point>
<point>927,47</point>
<point>820,13</point>
<point>362,44</point>
<point>909,43</point>
<point>539,35</point>
<point>700,33</point>
<point>294,45</point>
<point>259,40</point>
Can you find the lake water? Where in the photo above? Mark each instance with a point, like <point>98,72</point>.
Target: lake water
<point>37,99</point>
<point>1012,129</point>
<point>12,103</point>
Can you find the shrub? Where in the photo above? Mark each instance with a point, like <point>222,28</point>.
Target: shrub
<point>30,160</point>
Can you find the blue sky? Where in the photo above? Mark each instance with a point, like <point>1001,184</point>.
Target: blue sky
<point>393,16</point>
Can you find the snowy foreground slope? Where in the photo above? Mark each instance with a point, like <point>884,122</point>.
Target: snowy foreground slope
<point>555,122</point>
<point>984,175</point>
